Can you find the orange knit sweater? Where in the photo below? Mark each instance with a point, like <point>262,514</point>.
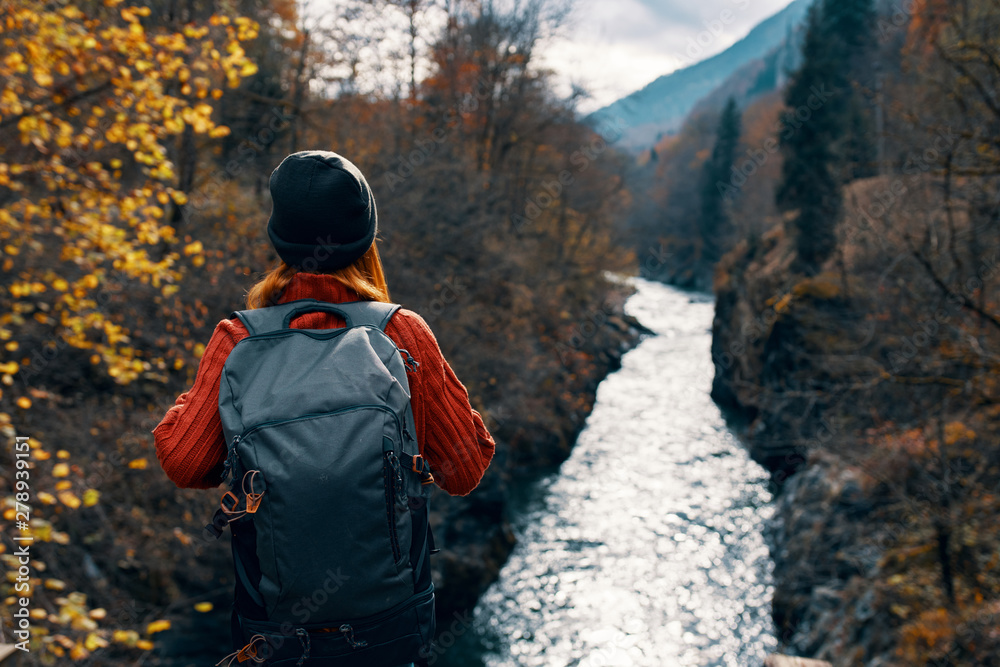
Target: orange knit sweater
<point>451,435</point>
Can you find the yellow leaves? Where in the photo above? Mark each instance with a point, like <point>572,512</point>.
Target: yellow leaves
<point>43,77</point>
<point>69,499</point>
<point>13,60</point>
<point>60,470</point>
<point>193,248</point>
<point>198,117</point>
<point>46,498</point>
<point>157,626</point>
<point>822,287</point>
<point>126,637</point>
<point>900,610</point>
<point>195,32</point>
<point>55,584</point>
<point>138,464</point>
<point>97,224</point>
<point>203,607</point>
<point>91,497</point>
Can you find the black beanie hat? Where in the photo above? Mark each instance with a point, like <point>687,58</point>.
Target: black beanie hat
<point>322,211</point>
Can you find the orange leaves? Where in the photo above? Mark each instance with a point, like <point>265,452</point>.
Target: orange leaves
<point>930,635</point>
<point>956,432</point>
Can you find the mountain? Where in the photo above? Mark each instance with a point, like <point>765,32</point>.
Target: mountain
<point>663,105</point>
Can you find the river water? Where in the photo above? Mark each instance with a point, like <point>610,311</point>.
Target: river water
<point>646,547</point>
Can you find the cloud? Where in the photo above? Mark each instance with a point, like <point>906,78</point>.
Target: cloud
<point>614,47</point>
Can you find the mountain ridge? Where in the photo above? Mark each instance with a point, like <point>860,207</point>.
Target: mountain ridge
<point>662,105</point>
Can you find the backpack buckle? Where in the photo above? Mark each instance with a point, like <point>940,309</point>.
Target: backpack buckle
<point>422,468</point>
<point>229,502</point>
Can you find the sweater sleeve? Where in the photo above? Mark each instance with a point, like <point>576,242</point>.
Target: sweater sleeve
<point>189,441</point>
<point>451,435</point>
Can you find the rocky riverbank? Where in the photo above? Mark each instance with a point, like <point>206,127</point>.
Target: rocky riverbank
<point>878,534</point>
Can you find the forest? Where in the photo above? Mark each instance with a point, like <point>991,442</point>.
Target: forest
<point>841,199</point>
<point>136,145</point>
<point>847,221</point>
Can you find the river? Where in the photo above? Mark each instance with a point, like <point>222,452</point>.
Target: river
<point>645,547</point>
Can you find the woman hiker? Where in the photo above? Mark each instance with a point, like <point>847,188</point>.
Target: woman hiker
<point>323,225</point>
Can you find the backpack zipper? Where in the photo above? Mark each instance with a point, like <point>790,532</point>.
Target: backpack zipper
<point>390,469</point>
<point>316,415</point>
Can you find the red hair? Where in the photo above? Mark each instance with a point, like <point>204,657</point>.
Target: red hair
<point>365,276</point>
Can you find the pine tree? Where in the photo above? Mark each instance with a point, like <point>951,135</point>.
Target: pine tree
<point>716,187</point>
<point>823,130</point>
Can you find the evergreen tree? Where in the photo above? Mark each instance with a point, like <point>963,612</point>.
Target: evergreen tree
<point>824,134</point>
<point>715,193</point>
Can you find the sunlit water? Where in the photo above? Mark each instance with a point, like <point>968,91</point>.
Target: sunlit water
<point>645,548</point>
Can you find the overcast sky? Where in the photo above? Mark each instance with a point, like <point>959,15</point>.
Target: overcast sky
<point>614,47</point>
<point>609,47</point>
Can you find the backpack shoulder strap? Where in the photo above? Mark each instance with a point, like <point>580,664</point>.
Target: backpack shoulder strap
<point>355,314</point>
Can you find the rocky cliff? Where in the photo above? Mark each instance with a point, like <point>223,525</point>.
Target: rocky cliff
<point>871,468</point>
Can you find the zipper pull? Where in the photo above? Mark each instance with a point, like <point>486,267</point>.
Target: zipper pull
<point>401,499</point>
<point>349,636</point>
<point>410,363</point>
<point>227,467</point>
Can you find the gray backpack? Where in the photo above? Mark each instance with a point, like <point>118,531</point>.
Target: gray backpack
<point>328,500</point>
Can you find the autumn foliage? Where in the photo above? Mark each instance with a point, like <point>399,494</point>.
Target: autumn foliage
<point>135,146</point>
